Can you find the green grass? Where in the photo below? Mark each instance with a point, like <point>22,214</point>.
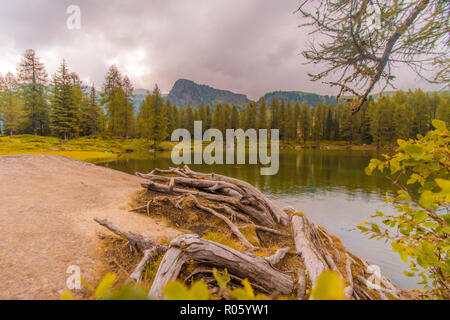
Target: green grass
<point>90,149</point>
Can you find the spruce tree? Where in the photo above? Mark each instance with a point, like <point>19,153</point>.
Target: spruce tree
<point>65,99</point>
<point>274,114</point>
<point>305,122</point>
<point>32,79</point>
<point>11,112</point>
<point>234,118</point>
<point>262,115</point>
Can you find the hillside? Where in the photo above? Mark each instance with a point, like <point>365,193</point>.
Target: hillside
<point>188,92</point>
<point>310,99</point>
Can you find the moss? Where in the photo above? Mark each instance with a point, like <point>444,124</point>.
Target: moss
<point>250,234</point>
<point>90,149</point>
<point>149,273</point>
<point>223,239</point>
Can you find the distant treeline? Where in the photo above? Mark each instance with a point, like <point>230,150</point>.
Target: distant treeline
<point>64,107</point>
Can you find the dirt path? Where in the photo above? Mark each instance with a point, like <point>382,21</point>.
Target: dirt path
<point>47,207</point>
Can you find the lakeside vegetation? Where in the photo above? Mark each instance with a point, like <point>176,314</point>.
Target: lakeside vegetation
<point>67,109</point>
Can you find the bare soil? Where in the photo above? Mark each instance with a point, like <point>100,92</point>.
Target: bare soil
<point>47,207</point>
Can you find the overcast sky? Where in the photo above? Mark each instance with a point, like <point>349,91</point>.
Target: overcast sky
<point>247,46</point>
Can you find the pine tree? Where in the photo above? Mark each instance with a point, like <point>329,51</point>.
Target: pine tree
<point>11,113</point>
<point>274,114</point>
<point>289,130</point>
<point>234,118</point>
<point>32,79</point>
<point>171,117</point>
<point>305,122</point>
<point>282,119</point>
<point>297,120</point>
<point>128,109</point>
<point>227,117</point>
<point>93,116</point>
<point>189,119</point>
<point>115,101</point>
<point>65,112</point>
<point>443,110</point>
<point>218,121</point>
<point>262,115</point>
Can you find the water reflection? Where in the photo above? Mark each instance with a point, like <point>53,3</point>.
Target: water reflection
<point>329,186</point>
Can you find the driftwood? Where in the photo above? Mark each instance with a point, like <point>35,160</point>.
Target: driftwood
<point>253,212</point>
<point>240,205</point>
<point>301,284</point>
<point>149,255</point>
<point>314,262</point>
<point>279,215</point>
<point>135,241</point>
<point>192,247</point>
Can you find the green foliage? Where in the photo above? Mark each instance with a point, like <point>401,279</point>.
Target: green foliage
<point>419,233</point>
<point>177,290</point>
<point>366,39</point>
<point>198,290</point>
<point>105,290</point>
<point>329,286</point>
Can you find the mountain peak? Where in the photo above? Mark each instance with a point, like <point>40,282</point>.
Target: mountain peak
<point>186,91</point>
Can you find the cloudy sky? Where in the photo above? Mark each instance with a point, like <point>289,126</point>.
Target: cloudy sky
<point>247,46</point>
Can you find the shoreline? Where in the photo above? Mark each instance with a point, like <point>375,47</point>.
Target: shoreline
<point>98,150</point>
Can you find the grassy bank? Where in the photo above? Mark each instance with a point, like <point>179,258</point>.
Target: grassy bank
<point>94,149</point>
<point>86,149</point>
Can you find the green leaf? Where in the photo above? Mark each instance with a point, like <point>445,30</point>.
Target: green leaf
<point>176,290</point>
<point>128,292</point>
<point>420,217</point>
<point>413,149</point>
<point>199,291</point>
<point>439,125</point>
<point>66,295</point>
<point>329,286</point>
<point>430,225</point>
<point>222,279</point>
<point>105,285</point>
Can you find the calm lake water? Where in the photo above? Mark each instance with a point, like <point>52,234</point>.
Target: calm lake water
<point>330,187</point>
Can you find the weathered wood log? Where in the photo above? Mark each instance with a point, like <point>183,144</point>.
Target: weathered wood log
<point>135,241</point>
<point>279,215</point>
<point>192,247</point>
<point>168,270</point>
<point>313,261</point>
<point>278,256</point>
<point>212,186</point>
<point>230,224</point>
<point>348,268</point>
<point>301,284</point>
<point>254,213</point>
<point>149,255</point>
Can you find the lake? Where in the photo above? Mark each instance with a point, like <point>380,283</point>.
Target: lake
<point>329,186</point>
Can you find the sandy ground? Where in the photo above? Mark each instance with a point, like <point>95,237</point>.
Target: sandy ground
<point>47,207</point>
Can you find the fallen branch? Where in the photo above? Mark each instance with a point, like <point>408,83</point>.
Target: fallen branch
<point>192,247</point>
<point>279,215</point>
<point>254,213</point>
<point>135,241</point>
<point>305,248</point>
<point>149,255</point>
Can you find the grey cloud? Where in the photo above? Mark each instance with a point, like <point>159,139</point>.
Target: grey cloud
<point>250,46</point>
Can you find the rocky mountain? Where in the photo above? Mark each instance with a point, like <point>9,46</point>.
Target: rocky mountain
<point>310,99</point>
<point>188,92</point>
